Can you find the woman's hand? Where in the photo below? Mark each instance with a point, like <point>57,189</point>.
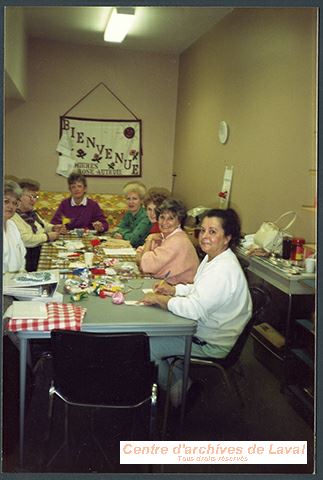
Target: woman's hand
<point>61,229</point>
<point>164,288</point>
<point>98,226</point>
<point>52,236</point>
<point>154,299</point>
<point>118,235</point>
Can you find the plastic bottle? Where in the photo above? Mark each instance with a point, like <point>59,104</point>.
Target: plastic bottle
<point>297,250</point>
<point>287,247</point>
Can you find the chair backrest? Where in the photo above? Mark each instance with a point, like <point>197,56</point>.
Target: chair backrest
<point>260,298</point>
<point>100,368</point>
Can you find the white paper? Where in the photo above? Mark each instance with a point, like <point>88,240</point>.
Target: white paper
<point>65,165</point>
<point>29,310</point>
<point>57,298</point>
<point>64,145</point>
<point>133,302</point>
<point>30,279</point>
<point>119,251</point>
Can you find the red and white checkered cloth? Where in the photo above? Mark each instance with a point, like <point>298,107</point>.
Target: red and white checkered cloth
<point>59,315</point>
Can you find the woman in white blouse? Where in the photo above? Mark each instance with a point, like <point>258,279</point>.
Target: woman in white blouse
<point>218,299</point>
<point>13,248</point>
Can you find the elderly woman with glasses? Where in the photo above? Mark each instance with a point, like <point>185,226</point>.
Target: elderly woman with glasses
<point>33,229</point>
<point>13,248</point>
<point>135,224</point>
<point>169,254</point>
<point>218,299</point>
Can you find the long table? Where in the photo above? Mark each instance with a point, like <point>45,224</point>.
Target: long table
<point>103,316</point>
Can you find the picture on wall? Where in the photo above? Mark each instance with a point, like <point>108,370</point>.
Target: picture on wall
<point>101,148</point>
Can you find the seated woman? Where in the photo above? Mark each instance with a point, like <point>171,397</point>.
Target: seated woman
<point>169,253</point>
<point>218,299</point>
<point>135,224</point>
<point>153,199</point>
<point>78,209</point>
<point>14,250</point>
<point>33,229</point>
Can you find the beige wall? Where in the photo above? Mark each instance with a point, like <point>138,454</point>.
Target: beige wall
<point>15,54</point>
<point>58,75</point>
<point>256,70</point>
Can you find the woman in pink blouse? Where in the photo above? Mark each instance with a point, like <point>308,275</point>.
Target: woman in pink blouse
<point>170,253</point>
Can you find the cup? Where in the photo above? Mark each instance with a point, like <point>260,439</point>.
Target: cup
<point>88,259</point>
<point>309,265</point>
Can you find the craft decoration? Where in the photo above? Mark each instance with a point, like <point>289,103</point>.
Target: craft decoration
<point>102,147</point>
<point>224,194</point>
<point>118,298</point>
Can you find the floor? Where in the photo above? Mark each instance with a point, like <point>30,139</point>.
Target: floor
<point>268,414</point>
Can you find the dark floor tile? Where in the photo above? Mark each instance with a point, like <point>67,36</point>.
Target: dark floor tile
<point>216,415</point>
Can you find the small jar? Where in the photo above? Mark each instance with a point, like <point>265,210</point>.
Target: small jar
<point>297,250</point>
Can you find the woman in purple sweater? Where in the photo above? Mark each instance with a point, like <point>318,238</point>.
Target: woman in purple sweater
<point>81,211</point>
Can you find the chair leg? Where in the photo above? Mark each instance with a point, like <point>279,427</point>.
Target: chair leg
<point>236,387</point>
<point>229,385</point>
<point>65,444</point>
<point>67,438</point>
<point>153,413</point>
<point>98,443</point>
<point>167,401</point>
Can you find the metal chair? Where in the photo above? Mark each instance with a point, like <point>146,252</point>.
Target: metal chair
<point>260,299</point>
<point>100,370</point>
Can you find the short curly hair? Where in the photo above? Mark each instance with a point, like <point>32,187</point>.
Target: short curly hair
<point>76,177</point>
<point>29,184</point>
<point>12,188</point>
<point>137,187</point>
<point>175,206</point>
<point>231,224</point>
<point>156,196</point>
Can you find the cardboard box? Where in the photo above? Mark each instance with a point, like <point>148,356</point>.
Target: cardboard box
<point>269,336</point>
<point>268,346</point>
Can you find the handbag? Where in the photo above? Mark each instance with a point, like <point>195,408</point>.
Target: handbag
<point>270,234</point>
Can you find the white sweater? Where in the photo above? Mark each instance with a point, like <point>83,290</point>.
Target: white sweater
<point>13,249</point>
<point>219,300</point>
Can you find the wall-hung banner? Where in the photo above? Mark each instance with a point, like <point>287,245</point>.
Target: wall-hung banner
<point>103,148</point>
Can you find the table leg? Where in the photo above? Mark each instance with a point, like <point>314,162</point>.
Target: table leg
<point>22,387</point>
<point>186,366</point>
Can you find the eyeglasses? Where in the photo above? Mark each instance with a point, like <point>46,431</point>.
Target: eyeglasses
<point>31,196</point>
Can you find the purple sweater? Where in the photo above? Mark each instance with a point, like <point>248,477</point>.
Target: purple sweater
<point>81,216</point>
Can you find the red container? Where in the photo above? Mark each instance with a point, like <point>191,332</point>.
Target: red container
<point>297,251</point>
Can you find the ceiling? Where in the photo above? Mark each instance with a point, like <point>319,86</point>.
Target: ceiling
<point>156,29</point>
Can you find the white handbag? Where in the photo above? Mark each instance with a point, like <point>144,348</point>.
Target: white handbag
<point>270,234</point>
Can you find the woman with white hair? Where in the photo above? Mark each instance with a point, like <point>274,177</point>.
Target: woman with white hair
<point>135,225</point>
<point>14,250</point>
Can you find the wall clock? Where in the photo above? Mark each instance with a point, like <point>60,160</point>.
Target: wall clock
<point>223,131</point>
